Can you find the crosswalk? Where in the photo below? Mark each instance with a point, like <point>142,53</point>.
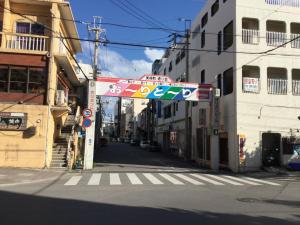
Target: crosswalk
<point>178,179</point>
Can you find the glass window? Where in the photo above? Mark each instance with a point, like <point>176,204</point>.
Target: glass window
<point>23,28</point>
<point>219,42</point>
<point>3,78</point>
<point>228,36</point>
<point>37,81</point>
<point>215,8</point>
<point>204,20</point>
<point>228,82</point>
<point>18,79</point>
<point>203,39</point>
<point>37,29</point>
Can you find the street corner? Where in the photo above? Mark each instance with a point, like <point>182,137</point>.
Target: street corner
<point>15,177</point>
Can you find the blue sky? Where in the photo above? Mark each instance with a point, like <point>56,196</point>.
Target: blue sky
<point>132,61</point>
<point>128,62</point>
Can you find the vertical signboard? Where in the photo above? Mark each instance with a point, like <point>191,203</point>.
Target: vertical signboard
<point>90,131</point>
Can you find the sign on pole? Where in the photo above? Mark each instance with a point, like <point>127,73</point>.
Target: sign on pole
<point>90,132</point>
<point>86,113</point>
<point>153,87</point>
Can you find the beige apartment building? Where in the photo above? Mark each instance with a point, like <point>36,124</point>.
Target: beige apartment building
<point>38,84</point>
<point>250,51</point>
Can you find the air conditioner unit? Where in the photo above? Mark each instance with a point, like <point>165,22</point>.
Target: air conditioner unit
<point>60,98</point>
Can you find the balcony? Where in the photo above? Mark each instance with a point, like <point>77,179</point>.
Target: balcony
<point>276,38</point>
<point>276,33</point>
<point>66,61</point>
<point>250,36</point>
<point>296,82</point>
<point>289,3</point>
<point>277,86</point>
<point>277,81</point>
<point>25,42</point>
<point>250,31</point>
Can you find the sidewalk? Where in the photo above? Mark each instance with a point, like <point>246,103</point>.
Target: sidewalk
<point>13,177</point>
<point>275,172</point>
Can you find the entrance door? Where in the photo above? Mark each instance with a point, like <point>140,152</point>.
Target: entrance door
<point>224,151</point>
<point>271,149</point>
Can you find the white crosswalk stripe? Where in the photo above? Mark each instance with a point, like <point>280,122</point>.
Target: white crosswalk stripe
<point>73,181</point>
<point>115,179</point>
<point>262,181</point>
<point>152,179</point>
<point>243,180</point>
<point>171,179</point>
<point>188,179</point>
<point>207,179</point>
<point>224,180</point>
<point>102,179</point>
<point>95,179</point>
<point>134,179</point>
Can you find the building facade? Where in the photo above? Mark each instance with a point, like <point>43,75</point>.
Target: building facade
<point>38,83</point>
<point>247,49</point>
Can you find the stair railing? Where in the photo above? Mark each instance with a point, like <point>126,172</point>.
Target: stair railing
<point>70,156</point>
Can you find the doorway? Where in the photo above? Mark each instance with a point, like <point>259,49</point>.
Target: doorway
<point>271,148</point>
<point>224,151</point>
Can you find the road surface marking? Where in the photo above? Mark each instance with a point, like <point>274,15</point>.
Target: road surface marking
<point>262,181</point>
<point>171,179</point>
<point>225,180</point>
<point>95,179</point>
<point>134,179</point>
<point>188,179</point>
<point>73,181</point>
<point>115,179</point>
<point>152,178</point>
<point>206,179</point>
<point>242,180</point>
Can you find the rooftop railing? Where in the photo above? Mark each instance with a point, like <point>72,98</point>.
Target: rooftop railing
<point>290,3</point>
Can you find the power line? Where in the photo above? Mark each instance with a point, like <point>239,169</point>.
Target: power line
<point>147,15</point>
<point>107,42</point>
<point>125,9</point>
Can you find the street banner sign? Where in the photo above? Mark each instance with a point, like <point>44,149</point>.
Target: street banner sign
<point>152,87</point>
<point>87,113</point>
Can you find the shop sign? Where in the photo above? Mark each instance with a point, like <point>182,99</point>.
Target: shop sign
<point>251,84</point>
<point>173,137</point>
<point>13,121</point>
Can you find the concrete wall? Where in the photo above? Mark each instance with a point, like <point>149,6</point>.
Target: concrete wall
<point>19,151</point>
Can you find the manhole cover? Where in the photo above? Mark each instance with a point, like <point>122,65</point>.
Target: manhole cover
<point>248,200</point>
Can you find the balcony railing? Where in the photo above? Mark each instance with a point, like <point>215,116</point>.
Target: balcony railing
<point>290,3</point>
<point>26,42</point>
<point>277,86</point>
<point>295,40</point>
<point>296,87</point>
<point>250,36</point>
<point>275,38</point>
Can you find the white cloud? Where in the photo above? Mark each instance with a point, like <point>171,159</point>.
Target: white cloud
<point>154,54</point>
<point>116,65</point>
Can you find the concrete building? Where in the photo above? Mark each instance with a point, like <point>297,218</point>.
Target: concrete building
<point>257,118</point>
<point>38,84</point>
<point>127,112</point>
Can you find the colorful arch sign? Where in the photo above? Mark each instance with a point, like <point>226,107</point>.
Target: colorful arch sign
<point>152,87</point>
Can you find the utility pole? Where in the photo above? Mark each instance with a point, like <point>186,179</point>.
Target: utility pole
<point>187,104</point>
<point>90,132</point>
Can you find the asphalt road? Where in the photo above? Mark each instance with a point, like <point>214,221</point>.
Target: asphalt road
<point>131,186</point>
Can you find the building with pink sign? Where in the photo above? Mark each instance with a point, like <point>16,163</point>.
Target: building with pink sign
<point>259,100</point>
